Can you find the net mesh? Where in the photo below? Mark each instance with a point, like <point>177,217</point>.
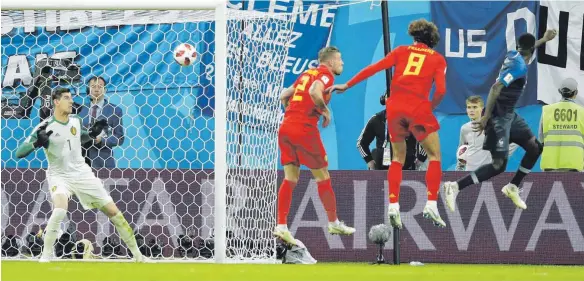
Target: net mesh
<point>156,156</point>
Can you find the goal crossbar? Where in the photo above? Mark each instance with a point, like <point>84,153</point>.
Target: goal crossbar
<point>110,5</point>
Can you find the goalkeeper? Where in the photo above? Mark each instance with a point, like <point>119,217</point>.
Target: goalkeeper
<point>61,137</point>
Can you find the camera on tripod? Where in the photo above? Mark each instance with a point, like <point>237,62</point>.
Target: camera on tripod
<point>60,70</point>
<point>49,72</point>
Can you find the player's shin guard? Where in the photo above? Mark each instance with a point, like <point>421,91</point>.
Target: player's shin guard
<point>433,177</point>
<point>394,178</point>
<point>126,233</point>
<point>284,200</point>
<point>51,232</point>
<point>327,196</point>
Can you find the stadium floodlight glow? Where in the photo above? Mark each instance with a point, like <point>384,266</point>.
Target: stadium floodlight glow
<point>224,152</point>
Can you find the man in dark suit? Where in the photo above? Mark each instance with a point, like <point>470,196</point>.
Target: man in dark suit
<point>99,152</point>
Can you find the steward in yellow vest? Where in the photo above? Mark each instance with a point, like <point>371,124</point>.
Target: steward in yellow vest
<point>562,132</point>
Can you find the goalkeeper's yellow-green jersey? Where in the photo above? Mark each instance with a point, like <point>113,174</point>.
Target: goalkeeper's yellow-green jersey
<point>64,150</point>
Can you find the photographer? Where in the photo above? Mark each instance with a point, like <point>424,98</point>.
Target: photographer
<point>49,71</point>
<point>375,129</point>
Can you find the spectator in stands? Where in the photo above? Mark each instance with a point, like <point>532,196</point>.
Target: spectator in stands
<point>474,156</point>
<point>99,152</point>
<point>562,132</point>
<point>380,157</point>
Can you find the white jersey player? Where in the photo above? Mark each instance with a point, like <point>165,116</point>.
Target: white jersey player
<point>61,135</point>
<point>474,156</point>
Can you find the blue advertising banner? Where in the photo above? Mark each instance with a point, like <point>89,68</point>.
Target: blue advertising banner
<point>475,36</point>
<point>167,109</point>
<point>273,49</point>
<point>155,94</point>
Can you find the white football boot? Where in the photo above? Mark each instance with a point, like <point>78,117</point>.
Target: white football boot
<point>431,212</point>
<point>283,233</point>
<point>512,191</point>
<point>451,191</point>
<point>394,218</point>
<point>340,228</point>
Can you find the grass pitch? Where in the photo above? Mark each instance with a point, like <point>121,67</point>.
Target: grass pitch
<point>96,271</point>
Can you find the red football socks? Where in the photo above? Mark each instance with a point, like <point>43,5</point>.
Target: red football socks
<point>327,196</point>
<point>284,200</point>
<point>394,178</point>
<point>433,177</point>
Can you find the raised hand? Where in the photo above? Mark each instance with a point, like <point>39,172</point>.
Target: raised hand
<point>97,128</point>
<point>42,137</point>
<point>550,34</point>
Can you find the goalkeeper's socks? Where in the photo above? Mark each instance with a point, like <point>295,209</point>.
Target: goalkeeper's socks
<point>284,200</point>
<point>51,232</point>
<point>433,177</point>
<point>126,233</point>
<point>327,196</point>
<point>394,178</point>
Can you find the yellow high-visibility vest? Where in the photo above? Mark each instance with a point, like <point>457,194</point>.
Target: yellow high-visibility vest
<point>563,136</point>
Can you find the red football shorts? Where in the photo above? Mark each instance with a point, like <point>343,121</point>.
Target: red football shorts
<point>408,115</point>
<point>301,145</point>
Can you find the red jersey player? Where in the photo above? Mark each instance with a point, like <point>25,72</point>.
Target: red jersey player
<point>409,110</point>
<point>299,140</point>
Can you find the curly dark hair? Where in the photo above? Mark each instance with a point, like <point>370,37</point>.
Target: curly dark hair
<point>425,32</point>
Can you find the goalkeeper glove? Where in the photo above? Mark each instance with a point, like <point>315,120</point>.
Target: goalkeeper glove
<point>42,137</point>
<point>97,128</point>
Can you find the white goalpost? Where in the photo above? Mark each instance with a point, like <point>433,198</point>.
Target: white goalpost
<point>197,159</point>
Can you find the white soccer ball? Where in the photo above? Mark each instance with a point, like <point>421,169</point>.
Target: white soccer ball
<point>185,54</point>
<point>461,152</point>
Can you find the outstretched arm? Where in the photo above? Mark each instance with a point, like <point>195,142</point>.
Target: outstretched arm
<point>39,137</point>
<point>547,36</point>
<point>370,70</point>
<point>25,149</point>
<point>365,73</point>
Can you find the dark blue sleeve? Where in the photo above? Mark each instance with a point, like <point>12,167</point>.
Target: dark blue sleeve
<point>512,71</point>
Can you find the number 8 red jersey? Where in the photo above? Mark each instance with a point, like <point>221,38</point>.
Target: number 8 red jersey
<point>416,67</point>
<point>301,108</point>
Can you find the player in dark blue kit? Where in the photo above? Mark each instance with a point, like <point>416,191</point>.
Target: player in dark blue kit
<point>502,125</point>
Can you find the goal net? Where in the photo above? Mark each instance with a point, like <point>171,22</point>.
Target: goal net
<point>167,139</point>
